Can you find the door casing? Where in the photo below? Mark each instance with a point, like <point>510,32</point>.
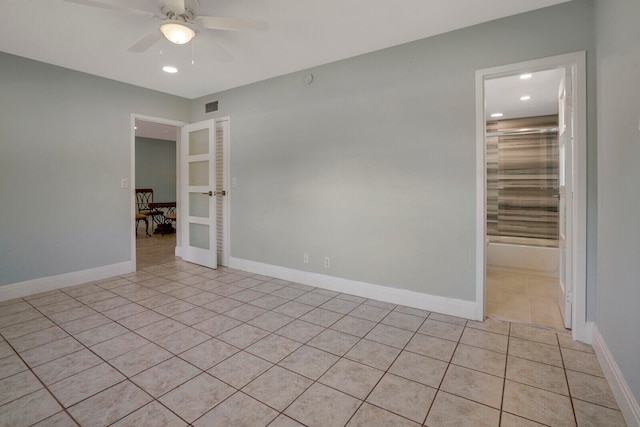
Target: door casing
<point>577,62</point>
<point>132,185</point>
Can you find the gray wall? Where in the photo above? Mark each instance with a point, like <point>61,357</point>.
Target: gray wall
<point>156,167</point>
<point>618,317</point>
<point>64,146</point>
<point>373,164</point>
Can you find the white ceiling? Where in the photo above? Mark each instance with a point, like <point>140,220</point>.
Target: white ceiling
<point>502,95</point>
<point>302,34</point>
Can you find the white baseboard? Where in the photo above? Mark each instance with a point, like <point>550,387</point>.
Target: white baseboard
<point>44,284</point>
<point>450,306</point>
<point>625,399</point>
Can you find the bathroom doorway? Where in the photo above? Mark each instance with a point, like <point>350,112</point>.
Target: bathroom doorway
<point>531,167</point>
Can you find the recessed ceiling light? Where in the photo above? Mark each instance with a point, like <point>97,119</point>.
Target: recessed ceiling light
<point>525,98</point>
<point>169,69</point>
<point>496,115</point>
<point>525,76</point>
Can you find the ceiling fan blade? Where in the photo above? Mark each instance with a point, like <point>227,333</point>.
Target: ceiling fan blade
<point>232,24</point>
<point>146,42</point>
<point>108,6</point>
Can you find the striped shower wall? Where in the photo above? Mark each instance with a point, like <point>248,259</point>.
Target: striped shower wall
<point>522,179</point>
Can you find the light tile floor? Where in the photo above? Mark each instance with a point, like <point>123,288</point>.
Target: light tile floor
<point>523,297</point>
<point>176,344</point>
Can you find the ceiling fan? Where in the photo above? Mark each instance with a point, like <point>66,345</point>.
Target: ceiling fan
<point>180,21</point>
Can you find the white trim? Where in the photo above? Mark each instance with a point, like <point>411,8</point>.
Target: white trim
<point>450,306</point>
<point>577,61</point>
<point>44,284</point>
<point>132,178</point>
<point>624,397</point>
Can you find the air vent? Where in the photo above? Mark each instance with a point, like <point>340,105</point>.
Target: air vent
<point>211,107</point>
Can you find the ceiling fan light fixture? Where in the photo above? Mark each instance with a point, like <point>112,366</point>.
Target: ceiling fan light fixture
<point>177,33</point>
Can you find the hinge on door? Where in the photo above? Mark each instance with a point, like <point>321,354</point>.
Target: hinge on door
<point>220,193</point>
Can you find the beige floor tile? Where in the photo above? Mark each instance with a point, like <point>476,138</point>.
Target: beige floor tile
<point>209,353</point>
<point>182,340</point>
<point>546,312</point>
<point>590,415</point>
<point>352,378</point>
<point>339,305</point>
<point>109,405</point>
<point>353,326</point>
<point>26,327</point>
<point>541,375</point>
<point>28,409</point>
<point>473,385</point>
<point>412,311</point>
<point>217,325</point>
<point>284,421</point>
<point>243,336</point>
<point>300,331</point>
<point>510,420</point>
<point>35,339</point>
<point>269,302</point>
<point>323,406</point>
<point>270,387</point>
<point>14,319</point>
<point>152,414</point>
<point>334,342</point>
<point>567,341</point>
<point>403,397</point>
<point>75,388</point>
<point>72,314</point>
<point>538,405</point>
<point>418,368</point>
<point>270,321</point>
<point>390,335</point>
<point>5,349</point>
<point>449,319</point>
<point>371,416</point>
<point>449,410</point>
<point>447,331</point>
<point>101,333</point>
<point>18,385</point>
<point>293,309</point>
<point>85,323</point>
<point>273,348</point>
<point>119,345</point>
<point>437,348</point>
<point>238,410</point>
<point>165,376</point>
<point>160,329</point>
<point>591,388</point>
<point>491,325</point>
<point>486,340</point>
<point>309,361</point>
<point>196,397</point>
<point>240,369</point>
<point>51,351</point>
<point>66,366</point>
<point>486,361</point>
<point>582,362</point>
<point>138,360</point>
<point>369,312</point>
<point>11,365</point>
<point>536,351</point>
<point>374,354</point>
<point>61,419</point>
<point>124,311</point>
<point>245,312</point>
<point>313,298</point>
<point>403,321</point>
<point>534,334</point>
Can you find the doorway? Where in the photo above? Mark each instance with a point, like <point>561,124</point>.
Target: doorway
<point>531,221</point>
<point>160,248</point>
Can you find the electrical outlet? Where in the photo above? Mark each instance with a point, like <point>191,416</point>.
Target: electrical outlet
<point>305,258</point>
<point>124,183</point>
<point>327,262</point>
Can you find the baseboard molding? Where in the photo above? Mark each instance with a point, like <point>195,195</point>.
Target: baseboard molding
<point>453,307</point>
<point>626,401</point>
<point>44,284</point>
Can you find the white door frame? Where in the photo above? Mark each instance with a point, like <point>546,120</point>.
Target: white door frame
<point>132,183</point>
<point>577,62</point>
<point>132,179</point>
<point>226,200</point>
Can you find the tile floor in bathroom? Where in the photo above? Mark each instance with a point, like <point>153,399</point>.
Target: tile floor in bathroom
<point>523,297</point>
<point>176,344</point>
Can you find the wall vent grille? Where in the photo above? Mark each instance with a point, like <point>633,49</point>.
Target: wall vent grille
<point>211,107</point>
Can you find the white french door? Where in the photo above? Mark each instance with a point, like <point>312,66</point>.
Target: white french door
<point>565,197</point>
<point>198,178</point>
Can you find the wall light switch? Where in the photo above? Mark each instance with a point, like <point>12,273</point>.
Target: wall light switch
<point>124,183</point>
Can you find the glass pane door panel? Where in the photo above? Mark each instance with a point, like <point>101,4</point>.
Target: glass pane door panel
<point>199,173</point>
<point>199,205</point>
<point>199,236</point>
<point>199,142</point>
